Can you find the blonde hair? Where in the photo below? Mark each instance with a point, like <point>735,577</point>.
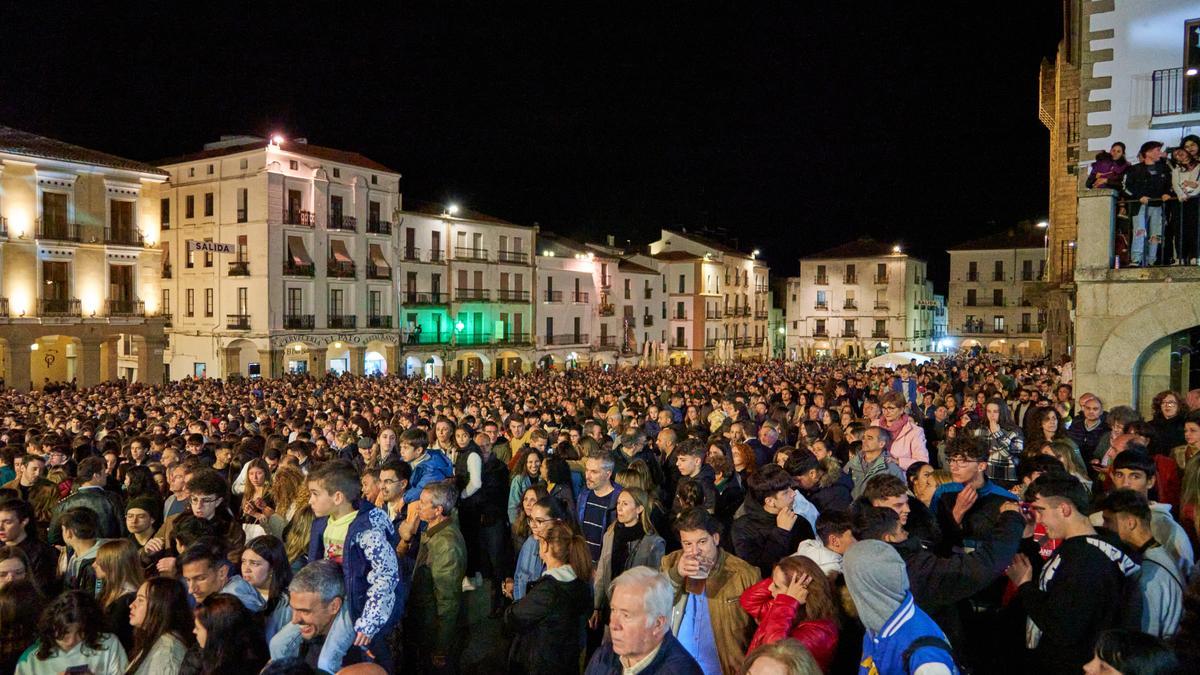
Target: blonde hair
<point>941,477</point>
<point>298,533</point>
<point>790,652</point>
<point>288,489</point>
<point>122,569</point>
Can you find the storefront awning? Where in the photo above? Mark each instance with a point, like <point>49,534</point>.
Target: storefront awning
<point>297,252</point>
<point>337,248</point>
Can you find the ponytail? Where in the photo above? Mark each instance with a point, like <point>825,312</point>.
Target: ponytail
<point>580,558</point>
<point>570,547</point>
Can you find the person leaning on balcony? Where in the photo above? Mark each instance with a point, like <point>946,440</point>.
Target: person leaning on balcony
<point>1148,183</point>
<point>1185,179</point>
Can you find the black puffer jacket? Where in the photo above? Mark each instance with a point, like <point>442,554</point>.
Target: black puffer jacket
<point>759,541</point>
<point>547,625</point>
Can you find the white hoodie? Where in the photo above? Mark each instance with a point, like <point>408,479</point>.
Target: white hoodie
<point>827,560</point>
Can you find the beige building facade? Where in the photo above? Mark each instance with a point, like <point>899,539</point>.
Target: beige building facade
<point>989,303</point>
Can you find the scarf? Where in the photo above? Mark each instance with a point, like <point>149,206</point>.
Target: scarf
<point>625,538</point>
<point>895,427</point>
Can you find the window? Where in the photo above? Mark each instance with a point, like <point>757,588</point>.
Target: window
<point>681,283</point>
<point>242,248</point>
<point>972,271</point>
<point>208,204</point>
<point>191,302</point>
<point>881,326</point>
<point>821,274</point>
<point>294,165</point>
<point>335,210</point>
<point>849,330</point>
<point>244,164</point>
<point>998,323</point>
<point>191,172</point>
<point>208,255</point>
<point>243,301</point>
<point>373,213</point>
<point>243,198</point>
<point>998,271</point>
<point>336,301</point>
<point>822,299</point>
<point>295,301</point>
<point>851,274</point>
<point>820,326</point>
<point>189,206</point>
<point>210,170</point>
<point>337,173</point>
<point>374,179</point>
<point>208,302</point>
<point>628,288</point>
<point>164,213</point>
<point>998,297</point>
<point>970,297</point>
<point>1026,270</point>
<point>166,301</point>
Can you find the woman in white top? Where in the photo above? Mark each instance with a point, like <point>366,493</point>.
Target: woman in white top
<point>1185,179</point>
<point>70,639</point>
<point>162,627</point>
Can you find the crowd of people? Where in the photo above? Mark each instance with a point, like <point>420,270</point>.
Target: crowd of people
<point>972,514</point>
<point>1159,217</point>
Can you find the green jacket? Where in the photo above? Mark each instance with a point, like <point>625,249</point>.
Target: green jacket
<point>436,593</point>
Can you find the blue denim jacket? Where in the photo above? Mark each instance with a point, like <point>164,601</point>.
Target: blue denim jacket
<point>338,642</point>
<point>529,568</point>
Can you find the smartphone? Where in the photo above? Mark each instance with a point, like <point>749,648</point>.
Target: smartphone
<point>80,670</point>
<point>1026,510</point>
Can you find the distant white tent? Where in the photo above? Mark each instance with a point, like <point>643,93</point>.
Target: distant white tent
<point>896,359</point>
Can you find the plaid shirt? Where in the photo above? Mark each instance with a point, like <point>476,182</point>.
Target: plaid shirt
<point>1004,449</point>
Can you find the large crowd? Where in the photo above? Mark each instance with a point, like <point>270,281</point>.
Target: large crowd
<point>971,514</point>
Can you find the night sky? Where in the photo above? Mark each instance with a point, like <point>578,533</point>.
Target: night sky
<point>793,125</point>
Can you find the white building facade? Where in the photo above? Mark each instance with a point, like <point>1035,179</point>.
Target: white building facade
<point>989,302</point>
<point>859,299</point>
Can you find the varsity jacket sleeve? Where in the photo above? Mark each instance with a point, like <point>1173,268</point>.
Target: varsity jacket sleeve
<point>383,577</point>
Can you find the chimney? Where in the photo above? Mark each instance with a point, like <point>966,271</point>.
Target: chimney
<point>612,241</point>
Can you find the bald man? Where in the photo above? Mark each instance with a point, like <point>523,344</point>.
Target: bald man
<point>362,669</point>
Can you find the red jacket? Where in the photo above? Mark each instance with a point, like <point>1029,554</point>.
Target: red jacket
<point>776,619</point>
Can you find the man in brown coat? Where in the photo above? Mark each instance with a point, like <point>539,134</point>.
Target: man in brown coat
<point>706,617</point>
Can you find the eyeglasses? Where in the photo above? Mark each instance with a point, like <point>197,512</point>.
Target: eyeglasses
<point>205,501</point>
<point>890,407</point>
<point>962,461</point>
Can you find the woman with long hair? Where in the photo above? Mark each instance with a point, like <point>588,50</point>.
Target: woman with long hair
<point>387,444</point>
<point>529,565</point>
<point>659,518</point>
<point>1185,179</point>
<point>14,566</point>
<point>797,602</point>
<point>1044,424</point>
<point>289,492</point>
<point>162,621</point>
<point>295,539</point>
<point>557,475</point>
<point>630,541</point>
<point>119,568</point>
<point>266,567</point>
<point>1004,439</point>
<point>228,636</point>
<point>547,623</point>
<point>521,529</point>
<point>257,496</point>
<point>744,461</point>
<point>70,634</point>
<point>526,470</point>
<point>19,603</point>
<point>139,482</point>
<point>1170,411</point>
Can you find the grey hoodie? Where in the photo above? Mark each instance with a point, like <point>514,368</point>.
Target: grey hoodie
<point>877,579</point>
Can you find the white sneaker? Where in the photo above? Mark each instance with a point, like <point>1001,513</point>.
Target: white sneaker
<point>467,586</point>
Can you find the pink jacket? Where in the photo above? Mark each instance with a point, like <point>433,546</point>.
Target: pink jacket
<point>908,446</point>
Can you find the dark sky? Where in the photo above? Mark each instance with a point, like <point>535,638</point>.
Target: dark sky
<point>794,125</point>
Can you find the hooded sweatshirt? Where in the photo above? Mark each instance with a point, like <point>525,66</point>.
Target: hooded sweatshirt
<point>878,583</point>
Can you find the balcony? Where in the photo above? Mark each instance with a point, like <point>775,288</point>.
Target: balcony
<point>607,342</point>
<point>243,216</point>
<point>998,277</point>
<point>881,279</point>
<point>423,338</point>
<point>376,272</point>
<point>744,312</point>
<point>415,298</point>
<point>743,342</point>
<point>126,308</point>
<point>514,339</point>
<point>513,257</point>
<point>972,276</point>
<point>762,288</point>
<point>239,268</point>
<point>712,314</point>
<point>760,315</point>
<point>679,344</point>
<point>437,256</point>
<point>679,316</point>
<point>978,328</point>
<point>299,321</point>
<point>567,339</point>
<point>1175,98</point>
<point>123,236</point>
<point>378,321</point>
<point>342,321</point>
<point>472,339</point>
<point>340,269</point>
<point>554,296</point>
<point>881,304</point>
<point>849,304</point>
<point>821,333</point>
<point>821,306</point>
<point>4,308</point>
<point>59,307</point>
<point>344,223</point>
<point>291,269</point>
<point>299,218</point>
<point>379,227</point>
<point>606,283</point>
<point>580,297</point>
<point>167,271</point>
<point>710,343</point>
<point>607,310</point>
<point>879,334</point>
<point>471,254</point>
<point>55,231</point>
<point>850,333</point>
<point>821,280</point>
<point>648,320</point>
<point>507,295</point>
<point>472,295</point>
<point>237,321</point>
<point>647,294</point>
<point>850,279</point>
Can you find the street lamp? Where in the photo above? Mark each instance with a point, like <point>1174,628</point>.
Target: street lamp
<point>452,209</point>
<point>1045,225</point>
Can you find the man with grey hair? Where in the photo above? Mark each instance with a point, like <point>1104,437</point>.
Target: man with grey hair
<point>640,625</point>
<point>632,447</point>
<point>597,505</point>
<point>322,631</point>
<point>432,625</point>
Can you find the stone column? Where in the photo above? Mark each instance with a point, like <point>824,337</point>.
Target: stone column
<point>391,353</point>
<point>20,364</point>
<point>357,356</point>
<point>109,354</point>
<point>1097,223</point>
<point>150,360</point>
<point>88,362</point>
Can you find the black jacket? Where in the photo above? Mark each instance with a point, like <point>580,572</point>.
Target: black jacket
<point>939,585</point>
<point>760,542</point>
<point>834,497</point>
<point>547,625</point>
<point>672,659</point>
<point>106,505</point>
<point>621,461</point>
<point>1148,180</point>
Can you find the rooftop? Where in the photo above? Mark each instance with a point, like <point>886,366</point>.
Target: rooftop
<point>859,248</point>
<point>701,239</point>
<point>17,142</point>
<point>305,149</point>
<point>439,209</point>
<point>675,256</point>
<point>1018,237</point>
<point>634,268</point>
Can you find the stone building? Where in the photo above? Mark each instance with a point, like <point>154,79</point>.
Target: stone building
<point>79,264</point>
<point>989,302</point>
<point>1136,330</point>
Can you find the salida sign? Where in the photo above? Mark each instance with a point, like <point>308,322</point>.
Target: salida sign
<point>208,246</point>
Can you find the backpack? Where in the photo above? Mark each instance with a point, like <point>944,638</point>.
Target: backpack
<point>929,641</point>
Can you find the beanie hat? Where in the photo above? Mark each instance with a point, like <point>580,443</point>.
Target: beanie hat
<point>877,579</point>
